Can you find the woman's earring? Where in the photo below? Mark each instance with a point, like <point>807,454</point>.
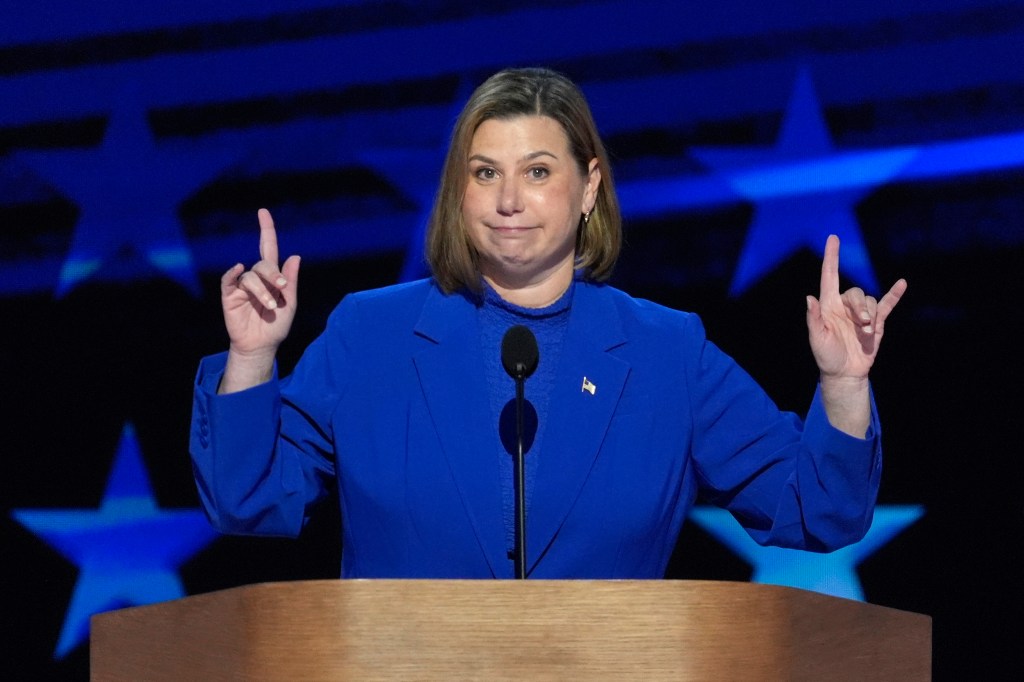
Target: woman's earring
<point>586,216</point>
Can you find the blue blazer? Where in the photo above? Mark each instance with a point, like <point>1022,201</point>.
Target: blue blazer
<point>390,406</point>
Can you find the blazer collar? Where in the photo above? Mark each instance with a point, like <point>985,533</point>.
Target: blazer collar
<point>587,389</point>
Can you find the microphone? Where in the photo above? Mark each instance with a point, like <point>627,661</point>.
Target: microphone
<point>519,356</point>
<point>519,353</point>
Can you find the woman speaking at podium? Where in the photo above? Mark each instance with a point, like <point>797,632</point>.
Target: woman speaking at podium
<point>404,407</point>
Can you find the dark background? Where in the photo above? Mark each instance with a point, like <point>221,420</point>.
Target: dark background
<point>137,140</point>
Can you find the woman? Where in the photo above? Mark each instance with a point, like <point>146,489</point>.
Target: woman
<point>402,402</point>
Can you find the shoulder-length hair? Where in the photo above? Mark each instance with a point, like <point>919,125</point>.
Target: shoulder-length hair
<point>508,94</point>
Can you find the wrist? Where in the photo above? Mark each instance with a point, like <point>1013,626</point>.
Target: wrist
<point>244,370</point>
<point>843,384</point>
<point>847,402</point>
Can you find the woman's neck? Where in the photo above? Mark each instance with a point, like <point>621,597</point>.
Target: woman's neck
<point>539,294</point>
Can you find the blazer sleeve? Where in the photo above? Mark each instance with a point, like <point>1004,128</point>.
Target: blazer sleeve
<point>790,482</point>
<point>264,456</point>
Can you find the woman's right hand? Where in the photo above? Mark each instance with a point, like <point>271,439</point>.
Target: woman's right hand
<point>259,307</point>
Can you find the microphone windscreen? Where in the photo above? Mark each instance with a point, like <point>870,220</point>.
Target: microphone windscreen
<point>519,353</point>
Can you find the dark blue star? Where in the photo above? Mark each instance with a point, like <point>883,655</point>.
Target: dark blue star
<point>834,573</point>
<point>127,551</point>
<point>804,191</point>
<point>128,191</point>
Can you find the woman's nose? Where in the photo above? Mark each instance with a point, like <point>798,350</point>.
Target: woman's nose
<point>509,197</point>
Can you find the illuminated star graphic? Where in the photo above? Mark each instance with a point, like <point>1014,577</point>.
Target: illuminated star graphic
<point>128,190</point>
<point>127,551</point>
<point>803,191</point>
<point>834,573</point>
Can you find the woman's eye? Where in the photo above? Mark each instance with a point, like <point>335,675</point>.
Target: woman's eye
<point>485,173</point>
<point>539,173</point>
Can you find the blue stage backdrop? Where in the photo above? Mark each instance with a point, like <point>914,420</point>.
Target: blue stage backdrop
<point>138,138</point>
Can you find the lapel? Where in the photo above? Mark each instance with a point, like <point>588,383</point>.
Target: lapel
<point>451,375</point>
<point>577,419</point>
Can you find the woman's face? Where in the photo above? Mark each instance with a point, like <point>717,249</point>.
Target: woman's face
<point>524,197</point>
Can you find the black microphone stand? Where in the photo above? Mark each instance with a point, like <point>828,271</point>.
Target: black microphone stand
<point>519,356</point>
<point>519,478</point>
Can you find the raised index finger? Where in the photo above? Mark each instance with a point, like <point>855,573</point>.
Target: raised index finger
<point>830,269</point>
<point>268,237</point>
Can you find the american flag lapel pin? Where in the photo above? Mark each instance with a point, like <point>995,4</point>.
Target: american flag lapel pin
<point>588,386</point>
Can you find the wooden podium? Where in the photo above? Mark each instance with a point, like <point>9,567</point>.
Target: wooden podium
<point>532,630</point>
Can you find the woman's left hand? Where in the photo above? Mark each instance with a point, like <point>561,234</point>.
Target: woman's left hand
<point>846,329</point>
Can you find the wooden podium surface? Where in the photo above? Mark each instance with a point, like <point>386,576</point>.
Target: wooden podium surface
<point>488,630</point>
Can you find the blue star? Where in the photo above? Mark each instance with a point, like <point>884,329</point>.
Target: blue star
<point>128,191</point>
<point>834,573</point>
<point>127,551</point>
<point>804,191</point>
